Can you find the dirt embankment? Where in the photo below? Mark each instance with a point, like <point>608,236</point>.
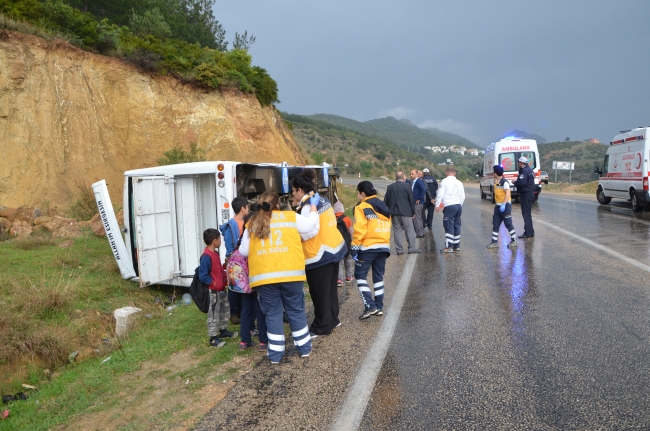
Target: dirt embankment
<point>69,117</point>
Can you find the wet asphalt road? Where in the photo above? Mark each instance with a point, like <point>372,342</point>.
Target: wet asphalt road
<point>552,335</point>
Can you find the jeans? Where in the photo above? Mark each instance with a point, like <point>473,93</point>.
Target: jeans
<point>250,311</point>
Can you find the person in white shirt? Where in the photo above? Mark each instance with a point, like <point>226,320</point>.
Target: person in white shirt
<point>451,195</point>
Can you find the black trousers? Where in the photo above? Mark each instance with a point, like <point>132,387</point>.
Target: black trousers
<point>526,200</point>
<point>234,298</point>
<point>430,209</point>
<point>322,288</point>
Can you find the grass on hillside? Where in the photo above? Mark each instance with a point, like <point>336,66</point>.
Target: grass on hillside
<point>59,300</point>
<point>586,188</point>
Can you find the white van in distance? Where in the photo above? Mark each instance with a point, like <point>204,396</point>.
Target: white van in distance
<point>624,172</point>
<point>506,153</point>
<point>167,208</point>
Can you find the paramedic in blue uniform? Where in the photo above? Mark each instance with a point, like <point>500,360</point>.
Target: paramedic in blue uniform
<point>526,186</point>
<point>276,269</point>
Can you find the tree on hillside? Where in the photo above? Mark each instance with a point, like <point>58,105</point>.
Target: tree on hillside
<point>567,139</point>
<point>243,41</point>
<point>151,22</point>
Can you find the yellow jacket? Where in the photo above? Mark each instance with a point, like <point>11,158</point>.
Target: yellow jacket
<point>372,226</point>
<point>328,246</point>
<point>279,258</point>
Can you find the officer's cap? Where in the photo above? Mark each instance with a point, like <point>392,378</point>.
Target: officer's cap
<point>522,159</point>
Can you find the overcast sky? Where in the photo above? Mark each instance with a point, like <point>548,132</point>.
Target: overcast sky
<point>576,68</point>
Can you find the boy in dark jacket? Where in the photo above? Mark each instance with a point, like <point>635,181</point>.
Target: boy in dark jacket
<point>212,274</point>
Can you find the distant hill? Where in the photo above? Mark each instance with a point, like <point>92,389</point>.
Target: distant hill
<point>370,154</point>
<point>402,132</point>
<point>522,134</point>
<point>584,154</point>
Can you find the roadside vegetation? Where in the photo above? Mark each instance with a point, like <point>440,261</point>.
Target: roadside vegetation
<point>354,152</point>
<point>586,155</point>
<point>57,298</point>
<point>180,38</point>
<point>586,188</point>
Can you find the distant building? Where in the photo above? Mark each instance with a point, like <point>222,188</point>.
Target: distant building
<point>427,148</point>
<point>474,152</point>
<point>593,141</point>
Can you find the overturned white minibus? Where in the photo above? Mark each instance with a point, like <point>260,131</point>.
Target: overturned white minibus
<point>167,208</point>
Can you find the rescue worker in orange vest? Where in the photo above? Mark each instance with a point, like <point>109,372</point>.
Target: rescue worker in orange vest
<point>324,247</point>
<point>276,270</point>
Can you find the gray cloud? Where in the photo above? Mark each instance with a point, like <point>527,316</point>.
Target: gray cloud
<point>556,68</point>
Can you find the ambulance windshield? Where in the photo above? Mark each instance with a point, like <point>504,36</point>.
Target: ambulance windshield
<point>509,160</point>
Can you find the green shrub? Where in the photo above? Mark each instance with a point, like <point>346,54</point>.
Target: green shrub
<point>84,206</point>
<point>178,155</point>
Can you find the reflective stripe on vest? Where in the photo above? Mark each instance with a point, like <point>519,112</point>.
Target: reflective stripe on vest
<point>328,240</point>
<point>277,259</point>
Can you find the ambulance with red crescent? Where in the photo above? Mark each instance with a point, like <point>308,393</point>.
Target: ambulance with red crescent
<point>506,153</point>
<point>624,172</point>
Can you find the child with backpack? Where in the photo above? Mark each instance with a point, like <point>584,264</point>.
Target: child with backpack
<point>232,232</point>
<point>344,225</point>
<point>212,274</point>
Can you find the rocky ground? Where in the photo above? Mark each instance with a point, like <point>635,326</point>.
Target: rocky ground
<point>26,221</point>
<point>305,393</point>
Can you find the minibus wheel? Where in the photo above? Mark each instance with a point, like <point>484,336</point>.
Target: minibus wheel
<point>635,202</point>
<point>600,195</point>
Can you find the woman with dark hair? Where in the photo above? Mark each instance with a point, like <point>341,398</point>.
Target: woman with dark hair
<point>276,270</point>
<point>370,247</point>
<point>323,248</point>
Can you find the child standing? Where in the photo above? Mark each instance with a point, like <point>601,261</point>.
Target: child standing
<point>232,231</point>
<point>344,225</point>
<point>211,273</point>
<point>451,196</point>
<point>502,210</point>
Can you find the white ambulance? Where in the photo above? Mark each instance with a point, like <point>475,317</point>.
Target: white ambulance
<point>624,172</point>
<point>167,208</point>
<point>506,153</point>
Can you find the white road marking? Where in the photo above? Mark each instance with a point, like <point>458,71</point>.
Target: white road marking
<point>598,246</point>
<point>355,405</point>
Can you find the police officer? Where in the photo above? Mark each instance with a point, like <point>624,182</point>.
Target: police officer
<point>432,190</point>
<point>526,186</point>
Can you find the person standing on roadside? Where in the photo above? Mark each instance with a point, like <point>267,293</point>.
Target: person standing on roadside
<point>400,203</point>
<point>430,200</point>
<point>324,247</point>
<point>276,270</point>
<point>451,196</point>
<point>344,225</point>
<point>502,210</point>
<point>526,186</point>
<point>419,195</point>
<point>370,247</point>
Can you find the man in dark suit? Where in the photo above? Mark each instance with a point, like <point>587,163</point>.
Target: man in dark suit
<point>399,200</point>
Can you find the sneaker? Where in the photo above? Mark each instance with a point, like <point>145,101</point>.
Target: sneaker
<point>255,333</point>
<point>513,243</point>
<point>368,312</point>
<point>447,250</point>
<point>339,282</point>
<point>235,320</point>
<point>493,244</point>
<point>224,333</point>
<point>312,335</point>
<point>457,249</point>
<point>416,251</point>
<point>348,278</point>
<point>379,312</point>
<point>263,347</point>
<point>244,346</point>
<point>216,342</point>
<point>338,325</point>
<point>306,355</point>
<point>275,363</point>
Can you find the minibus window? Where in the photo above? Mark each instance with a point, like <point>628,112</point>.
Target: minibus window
<point>507,161</point>
<point>606,165</point>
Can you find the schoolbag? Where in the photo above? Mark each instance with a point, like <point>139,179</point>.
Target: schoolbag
<point>237,271</point>
<point>343,228</point>
<point>199,292</point>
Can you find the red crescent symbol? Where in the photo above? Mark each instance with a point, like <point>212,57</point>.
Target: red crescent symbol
<point>639,165</point>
